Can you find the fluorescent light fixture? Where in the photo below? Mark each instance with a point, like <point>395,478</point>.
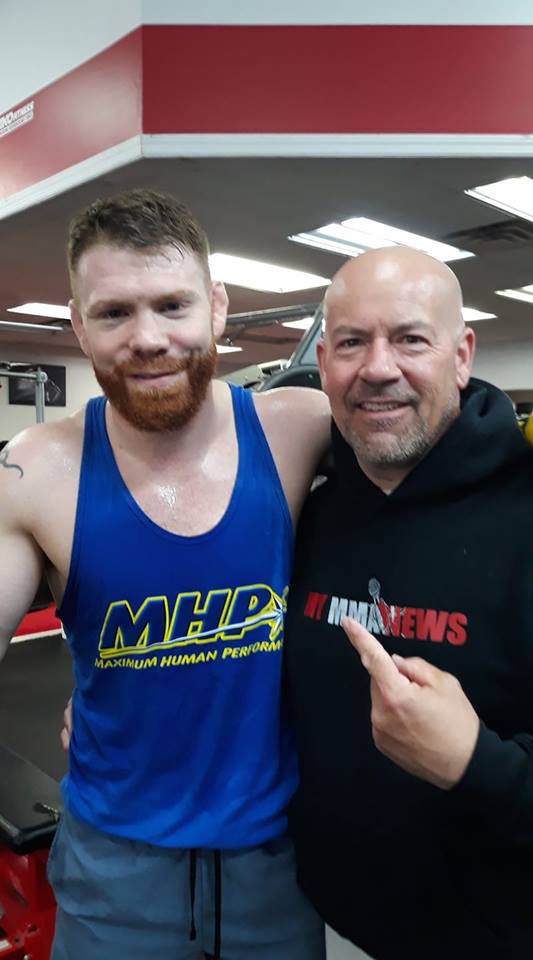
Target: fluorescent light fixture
<point>304,323</point>
<point>470,314</point>
<point>42,310</point>
<point>223,348</point>
<point>357,234</point>
<point>13,325</point>
<point>520,293</point>
<point>361,232</point>
<point>256,275</point>
<point>326,241</point>
<point>514,195</point>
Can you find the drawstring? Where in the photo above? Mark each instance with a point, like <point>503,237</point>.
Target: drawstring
<point>218,898</point>
<point>218,904</point>
<point>192,888</point>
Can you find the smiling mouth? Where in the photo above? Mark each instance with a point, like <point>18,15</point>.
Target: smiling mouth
<point>153,376</point>
<point>375,406</point>
<point>162,380</point>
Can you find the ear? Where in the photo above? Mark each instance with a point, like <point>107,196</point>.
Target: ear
<point>78,326</point>
<point>464,357</point>
<point>219,308</point>
<point>321,360</point>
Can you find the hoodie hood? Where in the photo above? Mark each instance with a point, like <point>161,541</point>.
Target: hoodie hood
<point>486,427</point>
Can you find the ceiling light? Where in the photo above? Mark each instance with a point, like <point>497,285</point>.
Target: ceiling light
<point>304,323</point>
<point>520,293</point>
<point>44,328</point>
<point>470,314</point>
<point>514,195</point>
<point>42,310</point>
<point>326,241</point>
<point>261,276</point>
<point>362,232</point>
<point>358,234</point>
<point>222,348</point>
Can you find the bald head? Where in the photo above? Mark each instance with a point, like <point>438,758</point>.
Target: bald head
<point>404,274</point>
<point>394,357</point>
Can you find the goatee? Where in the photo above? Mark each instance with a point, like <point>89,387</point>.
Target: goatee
<point>165,409</point>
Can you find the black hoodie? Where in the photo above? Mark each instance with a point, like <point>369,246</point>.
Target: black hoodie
<point>442,568</point>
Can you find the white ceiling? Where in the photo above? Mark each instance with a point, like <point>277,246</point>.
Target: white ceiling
<point>249,207</point>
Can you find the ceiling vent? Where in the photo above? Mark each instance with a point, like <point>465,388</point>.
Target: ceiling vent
<point>494,237</point>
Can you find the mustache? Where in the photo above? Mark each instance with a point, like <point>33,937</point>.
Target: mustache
<point>153,368</point>
<point>381,396</point>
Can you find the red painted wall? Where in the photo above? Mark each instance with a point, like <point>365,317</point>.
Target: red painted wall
<point>277,79</point>
<point>331,79</point>
<point>90,109</point>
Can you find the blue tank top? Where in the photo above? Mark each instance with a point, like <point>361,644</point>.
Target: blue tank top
<point>180,735</point>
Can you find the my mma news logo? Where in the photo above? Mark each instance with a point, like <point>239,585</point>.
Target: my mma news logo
<point>389,620</point>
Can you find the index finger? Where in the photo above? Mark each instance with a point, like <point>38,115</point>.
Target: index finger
<point>374,658</point>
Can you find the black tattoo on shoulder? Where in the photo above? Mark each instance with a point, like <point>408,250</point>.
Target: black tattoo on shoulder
<point>9,466</point>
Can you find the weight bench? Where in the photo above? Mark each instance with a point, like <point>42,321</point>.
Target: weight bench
<point>30,805</point>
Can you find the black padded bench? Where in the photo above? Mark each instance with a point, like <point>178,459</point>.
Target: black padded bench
<point>30,804</point>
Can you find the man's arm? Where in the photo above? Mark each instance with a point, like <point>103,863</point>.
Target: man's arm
<point>21,560</point>
<point>423,721</point>
<point>297,423</point>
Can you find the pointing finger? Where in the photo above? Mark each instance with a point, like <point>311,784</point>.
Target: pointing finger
<point>417,670</point>
<point>374,658</point>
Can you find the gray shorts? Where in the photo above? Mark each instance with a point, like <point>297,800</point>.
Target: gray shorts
<point>121,898</point>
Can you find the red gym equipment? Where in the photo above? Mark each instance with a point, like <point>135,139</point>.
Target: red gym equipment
<point>30,805</point>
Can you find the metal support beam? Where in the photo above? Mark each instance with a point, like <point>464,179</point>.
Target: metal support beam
<point>261,318</point>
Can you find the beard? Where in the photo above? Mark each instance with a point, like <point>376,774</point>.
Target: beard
<point>165,409</point>
<point>384,447</point>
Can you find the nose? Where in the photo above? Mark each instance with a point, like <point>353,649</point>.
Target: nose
<point>148,334</point>
<point>379,363</point>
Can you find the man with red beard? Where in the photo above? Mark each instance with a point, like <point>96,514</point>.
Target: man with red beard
<point>163,516</point>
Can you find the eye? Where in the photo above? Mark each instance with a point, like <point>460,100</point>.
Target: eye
<point>114,313</point>
<point>412,339</point>
<point>349,343</point>
<point>172,306</point>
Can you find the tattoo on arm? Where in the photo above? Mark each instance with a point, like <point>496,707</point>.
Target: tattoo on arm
<point>9,466</point>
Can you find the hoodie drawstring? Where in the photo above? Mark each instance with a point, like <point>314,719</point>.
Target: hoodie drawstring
<point>217,863</point>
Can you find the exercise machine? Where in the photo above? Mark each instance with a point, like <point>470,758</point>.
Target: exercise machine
<point>30,807</point>
<point>25,371</point>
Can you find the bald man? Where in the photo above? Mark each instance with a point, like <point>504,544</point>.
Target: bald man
<point>414,819</point>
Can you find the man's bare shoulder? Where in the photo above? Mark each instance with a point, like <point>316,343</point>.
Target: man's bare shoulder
<point>301,407</point>
<point>296,421</point>
<point>36,442</point>
<point>34,462</point>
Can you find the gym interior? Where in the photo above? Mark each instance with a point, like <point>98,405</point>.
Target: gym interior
<point>284,207</point>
